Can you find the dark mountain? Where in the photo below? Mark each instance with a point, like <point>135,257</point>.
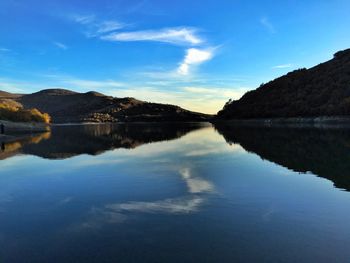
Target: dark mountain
<point>323,90</point>
<point>69,106</point>
<point>324,152</point>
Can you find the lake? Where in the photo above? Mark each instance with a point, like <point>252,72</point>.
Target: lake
<point>176,193</point>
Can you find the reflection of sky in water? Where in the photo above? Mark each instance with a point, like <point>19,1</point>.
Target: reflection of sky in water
<point>173,195</point>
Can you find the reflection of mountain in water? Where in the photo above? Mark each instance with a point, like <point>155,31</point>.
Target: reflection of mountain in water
<point>13,147</point>
<point>68,141</point>
<point>324,152</point>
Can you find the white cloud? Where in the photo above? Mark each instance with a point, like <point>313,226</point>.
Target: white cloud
<point>12,86</point>
<point>96,27</point>
<point>84,84</point>
<point>283,66</point>
<point>59,82</point>
<point>108,26</point>
<point>84,20</point>
<point>177,36</point>
<point>183,36</point>
<point>200,99</point>
<point>194,56</point>
<point>234,93</point>
<point>2,49</point>
<point>265,21</point>
<point>78,84</point>
<point>60,45</point>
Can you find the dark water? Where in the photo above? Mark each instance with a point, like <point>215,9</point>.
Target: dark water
<point>176,193</point>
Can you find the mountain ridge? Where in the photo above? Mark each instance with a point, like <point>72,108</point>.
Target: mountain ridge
<point>70,106</point>
<point>323,90</point>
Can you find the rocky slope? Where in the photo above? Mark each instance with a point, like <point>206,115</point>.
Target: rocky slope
<point>323,90</point>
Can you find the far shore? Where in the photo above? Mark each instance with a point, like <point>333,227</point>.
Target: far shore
<point>321,121</point>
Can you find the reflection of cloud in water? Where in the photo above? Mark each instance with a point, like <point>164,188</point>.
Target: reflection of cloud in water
<point>13,162</point>
<point>118,213</point>
<point>197,188</point>
<point>181,205</point>
<point>266,216</point>
<point>65,200</point>
<point>195,184</point>
<point>211,149</point>
<point>98,217</point>
<point>201,142</point>
<point>5,199</point>
<point>86,162</point>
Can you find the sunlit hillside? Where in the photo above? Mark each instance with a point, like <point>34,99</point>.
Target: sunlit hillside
<point>13,111</point>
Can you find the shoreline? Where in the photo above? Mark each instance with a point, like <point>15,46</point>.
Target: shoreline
<point>16,130</point>
<point>124,123</point>
<point>319,122</point>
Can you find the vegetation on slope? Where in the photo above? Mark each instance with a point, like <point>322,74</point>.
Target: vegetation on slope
<point>320,91</point>
<point>13,111</point>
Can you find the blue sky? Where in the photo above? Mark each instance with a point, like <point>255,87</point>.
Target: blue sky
<point>196,54</point>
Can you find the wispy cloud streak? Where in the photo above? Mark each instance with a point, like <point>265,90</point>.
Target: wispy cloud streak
<point>60,45</point>
<point>265,22</point>
<point>109,26</point>
<point>84,20</point>
<point>283,66</point>
<point>2,49</point>
<point>176,36</point>
<point>96,27</point>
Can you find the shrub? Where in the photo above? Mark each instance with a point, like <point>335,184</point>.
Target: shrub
<point>14,113</point>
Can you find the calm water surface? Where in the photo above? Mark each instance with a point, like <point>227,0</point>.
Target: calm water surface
<point>176,193</point>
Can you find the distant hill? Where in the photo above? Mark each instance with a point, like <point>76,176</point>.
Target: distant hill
<point>69,106</point>
<point>5,95</point>
<point>323,90</point>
